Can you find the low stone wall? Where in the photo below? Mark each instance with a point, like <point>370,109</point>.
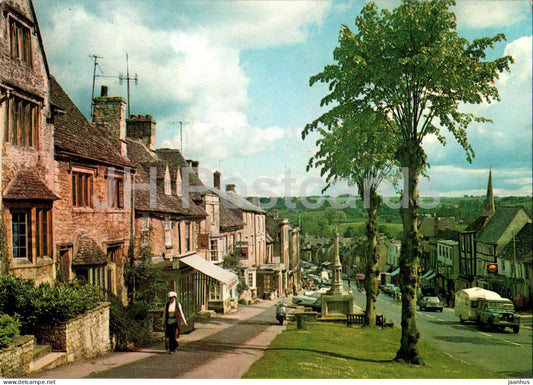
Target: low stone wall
<point>15,360</point>
<point>85,336</point>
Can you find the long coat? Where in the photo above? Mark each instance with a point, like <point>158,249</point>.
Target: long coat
<point>178,314</point>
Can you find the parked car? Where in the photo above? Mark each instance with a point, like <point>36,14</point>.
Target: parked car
<point>389,288</point>
<point>313,300</point>
<point>431,303</point>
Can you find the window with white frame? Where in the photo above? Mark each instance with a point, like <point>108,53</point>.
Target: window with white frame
<point>168,232</point>
<point>215,292</point>
<point>214,250</point>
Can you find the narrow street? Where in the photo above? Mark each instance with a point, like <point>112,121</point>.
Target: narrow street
<point>209,351</point>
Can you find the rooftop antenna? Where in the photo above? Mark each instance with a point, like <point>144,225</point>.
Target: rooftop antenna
<point>95,58</point>
<point>181,123</point>
<point>127,78</point>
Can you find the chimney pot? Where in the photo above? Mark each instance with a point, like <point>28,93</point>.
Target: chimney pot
<point>230,187</point>
<point>103,91</point>
<point>149,117</point>
<point>216,179</point>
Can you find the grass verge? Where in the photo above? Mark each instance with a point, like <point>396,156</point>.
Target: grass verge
<point>332,350</point>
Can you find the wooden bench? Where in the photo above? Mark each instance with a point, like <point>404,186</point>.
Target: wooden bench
<point>354,319</point>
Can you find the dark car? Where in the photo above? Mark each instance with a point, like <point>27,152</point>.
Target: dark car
<point>431,303</point>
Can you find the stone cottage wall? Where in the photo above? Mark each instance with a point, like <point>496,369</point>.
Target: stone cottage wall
<point>85,336</point>
<point>15,360</point>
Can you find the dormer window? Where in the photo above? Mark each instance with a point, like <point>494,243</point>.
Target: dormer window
<point>168,187</point>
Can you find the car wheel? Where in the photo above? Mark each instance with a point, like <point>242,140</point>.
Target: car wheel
<point>461,320</point>
<point>516,329</point>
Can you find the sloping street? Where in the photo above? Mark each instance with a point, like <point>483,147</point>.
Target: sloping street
<point>209,351</point>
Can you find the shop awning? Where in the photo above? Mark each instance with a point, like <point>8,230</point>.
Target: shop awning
<point>429,275</point>
<point>395,272</point>
<point>210,269</point>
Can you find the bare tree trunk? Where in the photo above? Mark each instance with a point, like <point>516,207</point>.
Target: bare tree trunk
<point>409,259</point>
<point>372,272</point>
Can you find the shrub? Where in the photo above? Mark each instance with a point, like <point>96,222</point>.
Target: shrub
<point>45,304</point>
<point>128,324</point>
<point>9,329</point>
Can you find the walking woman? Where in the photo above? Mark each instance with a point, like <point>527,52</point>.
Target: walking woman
<point>173,320</point>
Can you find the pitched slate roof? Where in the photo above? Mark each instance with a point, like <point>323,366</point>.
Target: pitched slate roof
<point>228,220</point>
<point>75,135</point>
<point>145,159</point>
<point>176,161</point>
<point>478,224</point>
<point>231,200</point>
<point>88,253</point>
<point>521,247</point>
<point>426,226</point>
<point>166,204</point>
<point>26,185</point>
<point>497,224</point>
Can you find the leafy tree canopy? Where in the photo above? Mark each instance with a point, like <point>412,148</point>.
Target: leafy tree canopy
<point>410,65</point>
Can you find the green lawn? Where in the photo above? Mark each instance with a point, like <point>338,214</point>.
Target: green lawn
<point>332,350</point>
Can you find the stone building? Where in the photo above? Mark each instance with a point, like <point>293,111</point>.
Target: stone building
<point>93,223</point>
<point>27,145</point>
<point>250,240</point>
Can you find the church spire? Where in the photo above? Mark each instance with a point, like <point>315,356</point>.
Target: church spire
<point>488,207</point>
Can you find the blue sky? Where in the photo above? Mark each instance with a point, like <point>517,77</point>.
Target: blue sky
<point>237,74</point>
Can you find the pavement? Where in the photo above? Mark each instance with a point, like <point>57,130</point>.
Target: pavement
<point>225,346</point>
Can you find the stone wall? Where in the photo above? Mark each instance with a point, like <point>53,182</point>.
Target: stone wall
<point>15,360</point>
<point>85,336</point>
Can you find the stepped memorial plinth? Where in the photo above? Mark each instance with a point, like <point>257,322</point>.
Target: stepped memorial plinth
<point>337,302</point>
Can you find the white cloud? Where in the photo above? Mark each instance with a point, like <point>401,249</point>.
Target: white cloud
<point>191,72</point>
<point>493,13</point>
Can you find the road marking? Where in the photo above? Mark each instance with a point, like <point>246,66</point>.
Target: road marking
<point>485,334</point>
<point>510,342</point>
<point>441,320</point>
<point>429,316</point>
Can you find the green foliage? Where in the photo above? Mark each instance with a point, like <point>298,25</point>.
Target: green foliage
<point>4,254</point>
<point>410,65</point>
<point>128,324</point>
<point>146,282</point>
<point>61,302</point>
<point>9,329</point>
<point>231,261</point>
<point>45,304</point>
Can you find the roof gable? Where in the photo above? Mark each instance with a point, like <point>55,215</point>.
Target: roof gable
<point>497,230</point>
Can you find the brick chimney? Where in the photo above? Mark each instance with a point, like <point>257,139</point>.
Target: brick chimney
<point>110,113</point>
<point>142,127</point>
<point>216,179</point>
<point>230,188</point>
<point>195,165</point>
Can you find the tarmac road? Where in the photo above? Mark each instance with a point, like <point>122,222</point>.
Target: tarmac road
<point>223,347</point>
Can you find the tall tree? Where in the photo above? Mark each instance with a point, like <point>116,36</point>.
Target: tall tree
<point>411,65</point>
<point>359,149</point>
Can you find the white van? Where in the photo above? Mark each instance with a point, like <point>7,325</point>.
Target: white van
<point>466,302</point>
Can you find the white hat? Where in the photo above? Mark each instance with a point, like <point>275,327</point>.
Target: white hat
<point>172,294</point>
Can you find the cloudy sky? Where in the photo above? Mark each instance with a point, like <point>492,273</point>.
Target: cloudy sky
<point>236,74</point>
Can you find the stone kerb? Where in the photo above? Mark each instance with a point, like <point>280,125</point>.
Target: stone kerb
<point>15,359</point>
<point>85,336</point>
